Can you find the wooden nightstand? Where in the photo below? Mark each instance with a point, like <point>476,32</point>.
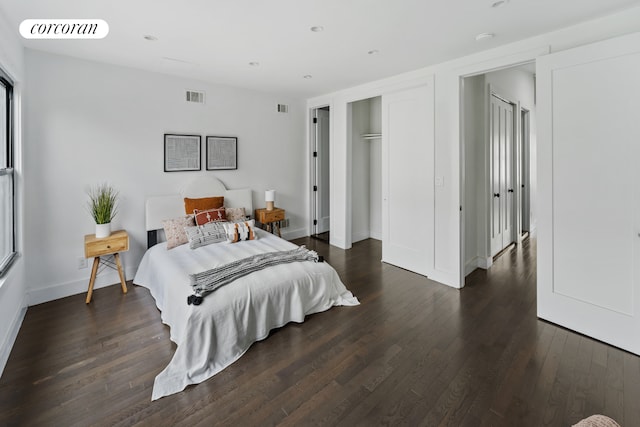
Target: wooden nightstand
<point>270,218</point>
<point>112,245</point>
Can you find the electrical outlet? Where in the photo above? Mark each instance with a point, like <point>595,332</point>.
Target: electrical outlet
<point>82,263</point>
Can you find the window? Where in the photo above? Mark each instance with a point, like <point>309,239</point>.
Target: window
<point>7,199</point>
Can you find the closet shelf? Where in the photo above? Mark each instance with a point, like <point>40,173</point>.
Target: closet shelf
<point>371,135</point>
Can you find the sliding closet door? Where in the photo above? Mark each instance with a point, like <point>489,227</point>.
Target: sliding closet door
<point>408,179</point>
<point>589,187</point>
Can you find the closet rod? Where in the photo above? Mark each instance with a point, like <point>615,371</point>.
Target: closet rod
<point>371,135</point>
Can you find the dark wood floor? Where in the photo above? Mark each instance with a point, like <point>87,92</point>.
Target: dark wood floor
<point>413,353</point>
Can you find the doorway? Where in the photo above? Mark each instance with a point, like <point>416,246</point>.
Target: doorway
<point>498,121</point>
<point>365,139</point>
<point>321,167</point>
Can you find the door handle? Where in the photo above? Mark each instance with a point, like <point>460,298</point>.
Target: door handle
<point>496,194</point>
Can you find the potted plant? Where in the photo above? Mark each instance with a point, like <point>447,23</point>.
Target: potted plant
<point>103,207</point>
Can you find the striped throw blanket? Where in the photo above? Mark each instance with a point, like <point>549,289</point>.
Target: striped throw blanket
<point>210,280</point>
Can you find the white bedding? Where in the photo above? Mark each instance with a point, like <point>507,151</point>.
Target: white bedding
<point>218,332</point>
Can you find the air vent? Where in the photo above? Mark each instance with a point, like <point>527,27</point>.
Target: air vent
<point>195,96</point>
<point>283,108</point>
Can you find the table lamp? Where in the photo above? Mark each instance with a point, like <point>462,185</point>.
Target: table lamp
<point>270,198</point>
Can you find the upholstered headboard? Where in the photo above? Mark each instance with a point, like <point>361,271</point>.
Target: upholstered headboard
<point>159,208</point>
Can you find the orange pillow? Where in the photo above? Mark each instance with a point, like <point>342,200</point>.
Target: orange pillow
<point>202,204</point>
<point>211,215</point>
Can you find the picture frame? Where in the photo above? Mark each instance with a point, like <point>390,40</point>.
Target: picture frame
<point>222,153</point>
<point>182,152</point>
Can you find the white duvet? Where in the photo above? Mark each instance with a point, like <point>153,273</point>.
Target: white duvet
<point>218,332</point>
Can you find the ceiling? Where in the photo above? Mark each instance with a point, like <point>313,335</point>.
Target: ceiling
<point>215,40</point>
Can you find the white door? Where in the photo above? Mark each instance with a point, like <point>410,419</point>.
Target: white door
<point>589,187</point>
<point>408,179</point>
<point>502,180</point>
<point>322,169</point>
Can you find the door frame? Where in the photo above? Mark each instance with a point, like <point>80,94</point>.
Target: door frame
<point>525,172</point>
<point>313,164</point>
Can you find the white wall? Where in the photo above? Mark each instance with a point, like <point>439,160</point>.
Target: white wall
<point>12,285</point>
<point>89,122</point>
<point>448,262</point>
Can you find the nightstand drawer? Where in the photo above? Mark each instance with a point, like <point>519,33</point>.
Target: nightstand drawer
<point>271,216</point>
<point>117,242</point>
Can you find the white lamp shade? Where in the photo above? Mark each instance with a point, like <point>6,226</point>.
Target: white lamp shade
<point>270,196</point>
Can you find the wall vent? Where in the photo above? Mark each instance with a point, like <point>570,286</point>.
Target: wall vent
<point>283,108</point>
<point>195,96</point>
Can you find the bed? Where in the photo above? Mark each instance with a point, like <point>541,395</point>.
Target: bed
<point>216,333</point>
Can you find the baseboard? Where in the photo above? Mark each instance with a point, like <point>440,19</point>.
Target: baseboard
<point>294,234</point>
<point>445,278</point>
<point>477,262</point>
<point>357,236</point>
<point>470,265</point>
<point>10,338</point>
<point>62,290</point>
<point>338,242</point>
<point>375,234</point>
<point>485,263</point>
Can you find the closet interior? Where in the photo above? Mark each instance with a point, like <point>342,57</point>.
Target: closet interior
<point>366,168</point>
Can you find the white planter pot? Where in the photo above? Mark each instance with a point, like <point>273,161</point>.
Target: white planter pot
<point>103,230</point>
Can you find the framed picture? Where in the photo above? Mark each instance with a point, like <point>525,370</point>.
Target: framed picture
<point>182,152</point>
<point>222,153</point>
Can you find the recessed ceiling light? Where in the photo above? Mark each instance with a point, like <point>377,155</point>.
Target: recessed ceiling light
<point>150,38</point>
<point>484,36</point>
<point>307,76</point>
<point>317,29</point>
<point>373,52</point>
<point>499,3</point>
<point>254,64</point>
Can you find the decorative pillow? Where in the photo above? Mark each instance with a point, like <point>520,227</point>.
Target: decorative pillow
<point>174,230</point>
<point>235,214</point>
<point>203,217</point>
<point>237,231</point>
<point>211,232</point>
<point>202,204</point>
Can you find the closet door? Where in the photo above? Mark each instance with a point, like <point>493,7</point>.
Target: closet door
<point>408,179</point>
<point>589,188</point>
<point>502,180</point>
